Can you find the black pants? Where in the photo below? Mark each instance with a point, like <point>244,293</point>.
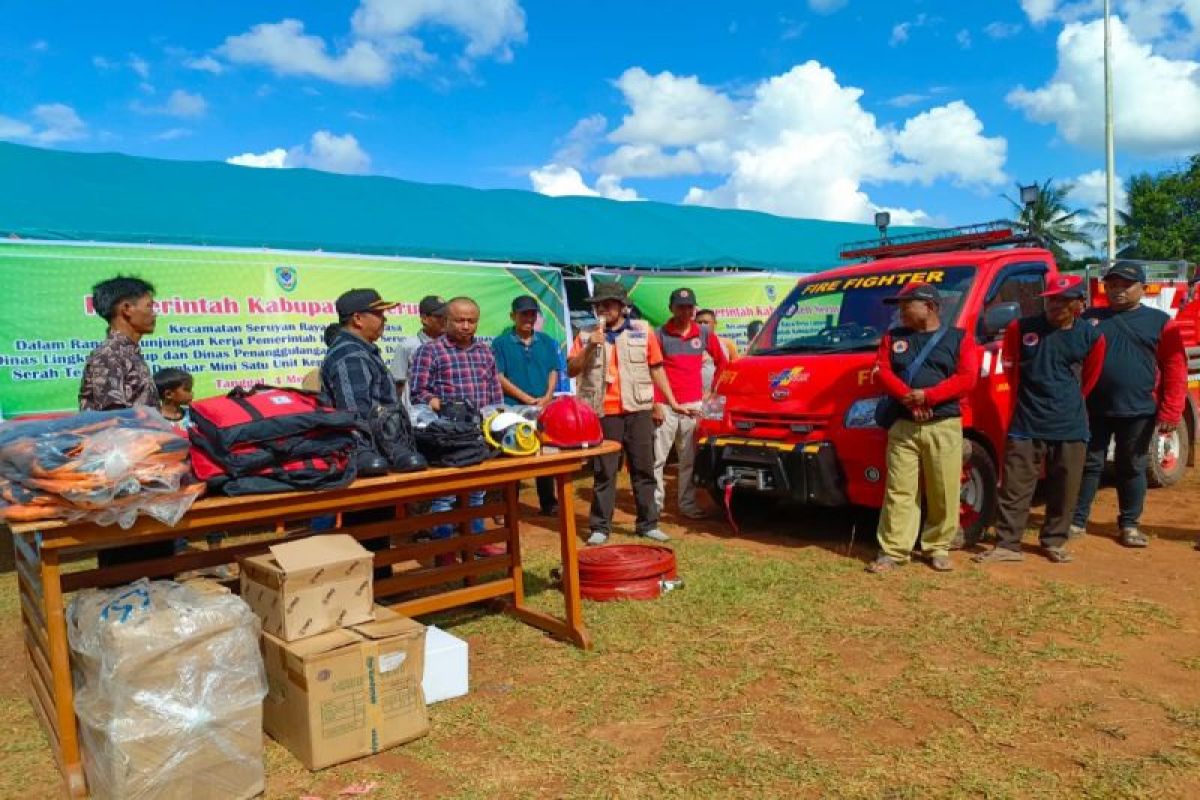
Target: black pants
<point>635,432</point>
<point>374,545</point>
<point>545,491</point>
<point>1133,435</point>
<point>1023,463</point>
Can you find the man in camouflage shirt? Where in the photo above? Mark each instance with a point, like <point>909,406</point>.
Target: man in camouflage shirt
<point>116,376</point>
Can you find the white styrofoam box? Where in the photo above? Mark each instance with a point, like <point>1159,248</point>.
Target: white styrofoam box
<point>446,674</point>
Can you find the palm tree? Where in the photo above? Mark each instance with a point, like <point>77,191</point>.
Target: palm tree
<point>1051,220</point>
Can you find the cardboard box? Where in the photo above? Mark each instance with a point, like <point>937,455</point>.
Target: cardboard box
<point>309,586</point>
<point>346,693</point>
<point>446,666</point>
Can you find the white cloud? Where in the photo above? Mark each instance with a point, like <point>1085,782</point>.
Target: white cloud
<point>1171,26</point>
<point>1002,30</point>
<point>826,6</point>
<point>384,40</point>
<point>905,100</point>
<point>1156,100</point>
<point>963,37</point>
<point>50,123</point>
<point>171,134</point>
<point>205,64</point>
<point>102,63</point>
<point>577,146</point>
<point>325,151</point>
<point>139,66</point>
<point>948,142</point>
<point>40,46</point>
<point>271,159</point>
<point>179,104</point>
<point>670,110</point>
<point>899,33</point>
<point>491,27</point>
<point>1090,191</point>
<point>556,180</point>
<point>284,48</point>
<point>797,144</point>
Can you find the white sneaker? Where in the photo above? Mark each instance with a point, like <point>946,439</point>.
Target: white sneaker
<point>597,537</point>
<point>655,535</point>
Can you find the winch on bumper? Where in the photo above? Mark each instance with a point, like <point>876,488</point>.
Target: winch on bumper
<point>806,472</point>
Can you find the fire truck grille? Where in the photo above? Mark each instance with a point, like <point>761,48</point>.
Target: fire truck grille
<point>778,424</point>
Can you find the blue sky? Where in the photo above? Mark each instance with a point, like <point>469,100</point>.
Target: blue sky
<point>821,108</point>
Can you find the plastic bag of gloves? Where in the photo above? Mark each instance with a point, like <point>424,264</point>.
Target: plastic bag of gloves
<point>169,684</point>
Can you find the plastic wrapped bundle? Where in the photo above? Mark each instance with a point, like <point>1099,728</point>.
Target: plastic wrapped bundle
<point>104,466</point>
<point>169,685</point>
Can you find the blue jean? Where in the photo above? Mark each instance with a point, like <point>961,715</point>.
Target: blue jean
<point>441,504</point>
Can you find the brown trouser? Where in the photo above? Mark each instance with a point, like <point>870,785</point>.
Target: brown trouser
<point>635,432</point>
<point>1023,463</point>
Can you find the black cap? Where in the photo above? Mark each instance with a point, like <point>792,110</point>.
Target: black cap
<point>608,290</point>
<point>524,303</point>
<point>357,300</point>
<point>916,291</point>
<point>682,297</point>
<point>432,306</point>
<point>1129,270</point>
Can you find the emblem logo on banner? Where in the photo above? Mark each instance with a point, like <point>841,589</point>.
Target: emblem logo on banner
<point>287,278</point>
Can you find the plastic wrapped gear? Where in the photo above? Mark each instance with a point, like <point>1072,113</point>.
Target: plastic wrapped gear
<point>103,466</point>
<point>169,684</point>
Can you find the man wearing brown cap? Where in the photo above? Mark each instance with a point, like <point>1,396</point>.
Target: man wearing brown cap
<point>927,369</point>
<point>433,324</point>
<point>619,365</point>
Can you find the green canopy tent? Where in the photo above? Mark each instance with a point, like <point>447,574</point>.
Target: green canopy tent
<point>58,195</point>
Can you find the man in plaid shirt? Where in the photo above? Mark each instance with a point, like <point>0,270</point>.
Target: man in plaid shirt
<point>457,366</point>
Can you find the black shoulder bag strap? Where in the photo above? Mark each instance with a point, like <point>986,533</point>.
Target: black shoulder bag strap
<point>1153,355</point>
<point>923,355</point>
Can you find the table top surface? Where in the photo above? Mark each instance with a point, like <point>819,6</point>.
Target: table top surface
<point>494,467</point>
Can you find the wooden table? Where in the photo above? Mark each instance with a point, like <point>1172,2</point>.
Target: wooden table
<point>43,549</point>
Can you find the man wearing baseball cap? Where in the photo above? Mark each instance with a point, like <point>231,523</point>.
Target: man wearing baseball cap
<point>1141,390</point>
<point>433,324</point>
<point>528,363</point>
<point>927,368</point>
<point>1052,361</point>
<point>619,365</point>
<point>684,344</point>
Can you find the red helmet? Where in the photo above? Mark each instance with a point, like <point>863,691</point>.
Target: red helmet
<point>569,422</point>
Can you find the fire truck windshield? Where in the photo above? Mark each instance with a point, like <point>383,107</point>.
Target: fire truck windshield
<point>838,315</point>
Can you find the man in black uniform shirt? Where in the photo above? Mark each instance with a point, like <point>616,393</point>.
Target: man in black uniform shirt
<point>1052,362</point>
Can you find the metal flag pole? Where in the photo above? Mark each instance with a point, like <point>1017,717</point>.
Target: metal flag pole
<point>1109,148</point>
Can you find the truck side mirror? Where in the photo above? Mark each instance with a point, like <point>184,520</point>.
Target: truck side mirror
<point>999,317</point>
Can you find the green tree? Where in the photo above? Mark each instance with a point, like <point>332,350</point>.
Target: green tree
<point>1163,223</point>
<point>1051,219</point>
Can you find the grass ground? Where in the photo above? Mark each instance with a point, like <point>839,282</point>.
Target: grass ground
<point>782,670</point>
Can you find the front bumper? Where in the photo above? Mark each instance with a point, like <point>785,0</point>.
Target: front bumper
<point>807,473</point>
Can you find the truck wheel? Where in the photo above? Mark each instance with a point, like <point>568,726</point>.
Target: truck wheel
<point>1168,458</point>
<point>977,500</point>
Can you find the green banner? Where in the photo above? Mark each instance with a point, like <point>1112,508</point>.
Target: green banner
<point>738,298</point>
<point>230,317</point>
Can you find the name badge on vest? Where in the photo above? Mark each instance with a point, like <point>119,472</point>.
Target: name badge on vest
<point>637,334</point>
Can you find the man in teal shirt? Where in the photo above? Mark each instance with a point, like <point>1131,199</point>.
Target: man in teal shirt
<point>529,362</point>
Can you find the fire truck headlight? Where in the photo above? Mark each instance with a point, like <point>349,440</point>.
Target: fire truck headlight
<point>861,413</point>
<point>713,408</point>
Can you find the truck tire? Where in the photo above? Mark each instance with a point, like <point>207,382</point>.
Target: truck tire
<point>977,500</point>
<point>1168,458</point>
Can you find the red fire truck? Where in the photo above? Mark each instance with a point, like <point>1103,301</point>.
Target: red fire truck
<point>794,419</point>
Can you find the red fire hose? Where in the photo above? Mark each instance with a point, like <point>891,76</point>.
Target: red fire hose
<point>626,572</point>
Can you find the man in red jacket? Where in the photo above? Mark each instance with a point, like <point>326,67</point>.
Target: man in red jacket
<point>1141,391</point>
<point>925,431</point>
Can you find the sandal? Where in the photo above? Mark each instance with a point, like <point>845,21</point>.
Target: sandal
<point>941,564</point>
<point>883,564</point>
<point>1059,555</point>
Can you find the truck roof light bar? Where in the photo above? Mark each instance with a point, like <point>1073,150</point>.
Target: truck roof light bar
<point>967,237</point>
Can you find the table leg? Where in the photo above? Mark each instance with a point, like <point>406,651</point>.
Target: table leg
<point>570,559</point>
<point>512,520</point>
<point>60,666</point>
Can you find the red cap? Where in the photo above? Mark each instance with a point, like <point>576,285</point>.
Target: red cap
<point>1068,286</point>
